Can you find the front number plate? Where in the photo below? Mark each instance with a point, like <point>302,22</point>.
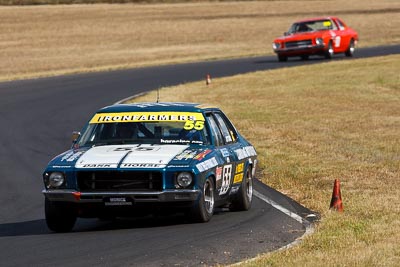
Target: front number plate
<point>117,201</point>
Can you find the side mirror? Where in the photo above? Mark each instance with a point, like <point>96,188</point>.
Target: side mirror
<point>285,33</point>
<point>75,136</point>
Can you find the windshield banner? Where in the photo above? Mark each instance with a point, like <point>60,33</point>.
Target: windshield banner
<point>146,117</point>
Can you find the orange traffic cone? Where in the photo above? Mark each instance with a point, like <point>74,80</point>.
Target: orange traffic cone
<point>336,202</point>
<point>208,79</point>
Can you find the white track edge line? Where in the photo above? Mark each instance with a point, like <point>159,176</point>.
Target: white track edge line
<point>309,227</point>
<point>279,207</point>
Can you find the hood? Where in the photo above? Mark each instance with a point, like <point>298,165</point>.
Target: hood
<point>300,36</point>
<point>129,156</point>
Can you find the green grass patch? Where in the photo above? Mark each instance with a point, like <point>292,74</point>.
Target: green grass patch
<point>310,126</point>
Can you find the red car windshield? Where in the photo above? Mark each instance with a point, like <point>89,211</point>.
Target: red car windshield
<point>310,26</point>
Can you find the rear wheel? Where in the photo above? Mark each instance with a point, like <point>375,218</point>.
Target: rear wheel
<point>203,210</point>
<point>244,196</point>
<point>59,217</point>
<point>350,51</point>
<point>329,52</point>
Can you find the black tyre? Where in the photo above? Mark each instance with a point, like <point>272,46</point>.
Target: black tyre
<point>329,51</point>
<point>350,50</point>
<point>282,58</point>
<point>305,57</point>
<point>203,210</point>
<point>242,200</point>
<point>59,217</point>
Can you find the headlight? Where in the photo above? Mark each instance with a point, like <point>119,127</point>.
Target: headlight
<point>184,179</point>
<point>276,46</point>
<point>55,180</point>
<point>319,41</point>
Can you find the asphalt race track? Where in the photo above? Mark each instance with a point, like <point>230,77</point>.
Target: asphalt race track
<point>37,118</point>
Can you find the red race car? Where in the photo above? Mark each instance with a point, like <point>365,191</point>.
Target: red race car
<point>323,36</point>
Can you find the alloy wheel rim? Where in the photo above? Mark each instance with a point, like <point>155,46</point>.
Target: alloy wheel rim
<point>209,197</point>
<point>249,190</point>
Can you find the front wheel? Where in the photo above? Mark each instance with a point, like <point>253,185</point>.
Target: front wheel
<point>350,50</point>
<point>203,210</point>
<point>60,217</point>
<point>244,196</point>
<point>329,52</point>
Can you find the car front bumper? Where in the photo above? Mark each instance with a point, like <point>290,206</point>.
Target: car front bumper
<point>172,195</point>
<point>301,50</point>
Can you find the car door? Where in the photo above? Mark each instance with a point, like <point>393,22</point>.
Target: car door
<point>342,38</point>
<point>226,144</point>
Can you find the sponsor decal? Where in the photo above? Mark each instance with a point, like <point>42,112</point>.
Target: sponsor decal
<point>180,141</point>
<point>250,151</point>
<point>234,189</point>
<point>245,152</point>
<point>142,165</point>
<point>225,152</point>
<point>206,165</point>
<point>218,173</point>
<point>240,153</point>
<point>239,168</point>
<point>203,154</point>
<point>238,178</point>
<point>98,165</point>
<point>60,167</point>
<point>196,117</point>
<point>187,154</point>
<point>226,179</point>
<point>178,166</point>
<point>238,173</point>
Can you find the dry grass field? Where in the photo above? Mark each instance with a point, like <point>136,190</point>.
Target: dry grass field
<point>339,120</point>
<point>50,40</point>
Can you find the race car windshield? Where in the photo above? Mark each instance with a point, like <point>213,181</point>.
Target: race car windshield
<point>310,26</point>
<point>170,132</point>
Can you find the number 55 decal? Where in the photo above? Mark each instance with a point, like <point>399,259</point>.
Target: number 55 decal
<point>197,125</point>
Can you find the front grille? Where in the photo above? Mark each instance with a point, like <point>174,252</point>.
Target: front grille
<point>119,181</point>
<point>303,43</point>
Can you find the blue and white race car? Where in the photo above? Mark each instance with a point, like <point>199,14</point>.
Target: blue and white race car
<point>150,156</point>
